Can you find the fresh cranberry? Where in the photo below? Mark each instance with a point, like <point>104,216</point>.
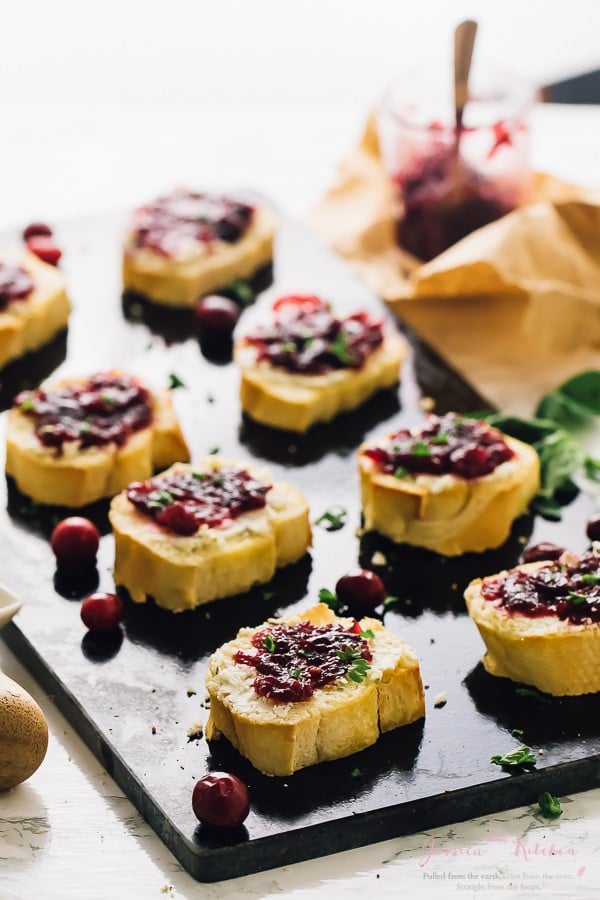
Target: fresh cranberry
<point>471,461</point>
<point>37,229</point>
<point>216,317</point>
<point>361,591</point>
<point>593,528</point>
<point>101,611</point>
<point>542,550</point>
<point>75,542</point>
<point>44,248</point>
<point>221,800</point>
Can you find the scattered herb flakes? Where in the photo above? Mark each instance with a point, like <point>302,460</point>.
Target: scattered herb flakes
<point>213,451</point>
<point>195,732</point>
<point>333,519</point>
<point>549,805</point>
<point>420,448</point>
<point>400,472</point>
<point>175,381</point>
<point>514,759</point>
<point>531,692</point>
<point>442,438</point>
<point>355,773</point>
<point>440,700</point>
<point>160,500</point>
<point>329,598</point>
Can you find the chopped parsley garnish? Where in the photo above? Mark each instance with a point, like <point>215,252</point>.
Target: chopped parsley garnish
<point>339,348</point>
<point>294,673</point>
<point>108,399</point>
<point>175,381</point>
<point>160,500</point>
<point>522,756</point>
<point>400,472</point>
<point>359,666</point>
<point>550,805</point>
<point>269,643</point>
<point>441,438</point>
<point>575,598</point>
<point>84,428</point>
<point>288,347</point>
<point>420,448</point>
<point>333,519</point>
<point>355,773</point>
<point>369,633</point>
<point>329,598</point>
<point>213,451</point>
<point>28,404</point>
<point>588,578</point>
<point>201,476</point>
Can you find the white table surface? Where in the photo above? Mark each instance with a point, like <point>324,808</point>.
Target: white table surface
<point>77,138</point>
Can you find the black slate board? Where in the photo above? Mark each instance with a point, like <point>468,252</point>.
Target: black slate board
<point>116,693</point>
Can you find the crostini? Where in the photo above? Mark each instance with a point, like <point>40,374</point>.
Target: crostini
<point>184,245</point>
<point>74,441</point>
<point>34,306</point>
<point>540,623</point>
<point>307,365</point>
<point>194,534</point>
<point>308,688</point>
<point>452,484</point>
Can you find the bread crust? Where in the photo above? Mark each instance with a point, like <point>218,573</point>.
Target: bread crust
<point>337,721</point>
<point>295,402</point>
<point>553,655</point>
<point>446,513</point>
<point>26,325</point>
<point>179,282</point>
<point>79,476</point>
<point>183,572</point>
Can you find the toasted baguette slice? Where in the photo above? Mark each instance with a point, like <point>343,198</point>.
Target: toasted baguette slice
<point>295,402</point>
<point>446,513</point>
<point>79,476</point>
<point>553,655</point>
<point>339,719</point>
<point>182,572</point>
<point>26,325</point>
<point>180,281</point>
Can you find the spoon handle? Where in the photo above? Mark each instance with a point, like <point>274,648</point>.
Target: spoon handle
<point>464,41</point>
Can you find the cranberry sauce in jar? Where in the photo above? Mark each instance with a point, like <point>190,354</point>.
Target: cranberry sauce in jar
<point>106,408</point>
<point>568,588</point>
<point>306,337</point>
<point>177,219</point>
<point>15,284</point>
<point>183,500</point>
<point>293,661</point>
<point>447,444</point>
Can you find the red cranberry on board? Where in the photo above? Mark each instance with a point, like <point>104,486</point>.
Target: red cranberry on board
<point>216,317</point>
<point>593,528</point>
<point>361,591</point>
<point>36,229</point>
<point>221,800</point>
<point>101,611</point>
<point>541,551</point>
<point>44,248</point>
<point>75,542</point>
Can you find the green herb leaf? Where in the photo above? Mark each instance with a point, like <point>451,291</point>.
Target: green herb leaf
<point>420,448</point>
<point>355,773</point>
<point>213,451</point>
<point>531,692</point>
<point>549,805</point>
<point>389,602</point>
<point>339,348</point>
<point>175,381</point>
<point>294,673</point>
<point>268,595</point>
<point>328,597</point>
<point>589,578</point>
<point>333,519</point>
<point>243,291</point>
<point>441,438</point>
<point>108,399</point>
<point>591,467</point>
<point>84,428</point>
<point>269,643</point>
<point>369,634</point>
<point>288,347</point>
<point>517,732</point>
<point>28,404</point>
<point>521,756</point>
<point>575,598</point>
<point>400,472</point>
<point>160,499</point>
<point>201,476</point>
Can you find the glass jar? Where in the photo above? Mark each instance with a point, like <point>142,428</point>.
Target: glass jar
<point>447,184</point>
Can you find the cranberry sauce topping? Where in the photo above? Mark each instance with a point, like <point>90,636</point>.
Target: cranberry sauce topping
<point>451,444</point>
<point>15,284</point>
<point>306,337</point>
<point>292,661</point>
<point>183,501</point>
<point>182,216</point>
<point>568,588</point>
<point>104,409</point>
